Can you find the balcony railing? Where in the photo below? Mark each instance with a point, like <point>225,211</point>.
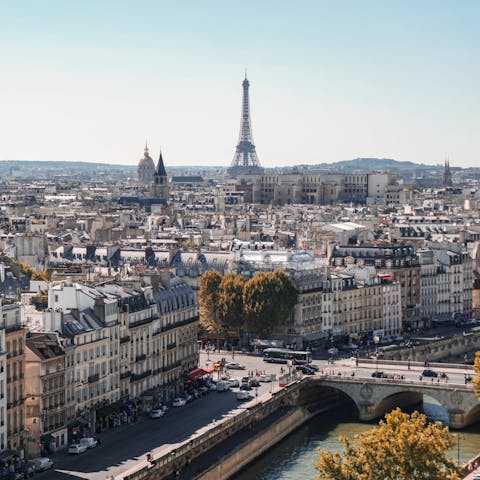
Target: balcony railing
<point>125,374</point>
<point>93,378</point>
<point>138,323</point>
<point>167,368</point>
<point>125,339</point>
<point>171,346</point>
<point>182,323</point>
<point>140,358</point>
<point>138,376</point>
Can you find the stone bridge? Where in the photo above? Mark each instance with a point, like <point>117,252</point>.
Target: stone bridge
<point>373,397</point>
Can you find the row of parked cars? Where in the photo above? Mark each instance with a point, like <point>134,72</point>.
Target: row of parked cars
<point>41,464</point>
<point>183,400</point>
<point>83,445</point>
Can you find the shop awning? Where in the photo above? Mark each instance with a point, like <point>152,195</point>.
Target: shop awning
<point>199,372</point>
<point>47,438</point>
<point>194,374</point>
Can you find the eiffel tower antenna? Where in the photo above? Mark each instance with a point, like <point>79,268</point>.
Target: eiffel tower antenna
<point>245,159</point>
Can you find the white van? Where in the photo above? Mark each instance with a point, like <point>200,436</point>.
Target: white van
<point>88,442</point>
<point>223,386</point>
<point>42,463</point>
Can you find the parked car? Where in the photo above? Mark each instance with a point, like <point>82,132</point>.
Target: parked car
<point>89,442</point>
<point>235,366</point>
<point>223,385</point>
<point>77,448</point>
<point>179,402</point>
<point>378,374</point>
<point>234,382</point>
<point>204,390</point>
<point>157,413</point>
<point>313,367</point>
<point>188,397</point>
<point>265,378</point>
<point>245,386</point>
<point>41,464</point>
<point>429,373</point>
<point>305,370</point>
<point>254,382</point>
<point>243,395</point>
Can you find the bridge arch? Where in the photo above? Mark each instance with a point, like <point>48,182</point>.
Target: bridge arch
<point>372,399</point>
<point>403,399</point>
<point>473,415</point>
<point>314,395</point>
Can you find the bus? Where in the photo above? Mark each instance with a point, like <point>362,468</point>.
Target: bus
<point>283,355</point>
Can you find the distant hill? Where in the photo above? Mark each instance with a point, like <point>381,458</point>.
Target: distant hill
<point>59,164</point>
<point>370,164</point>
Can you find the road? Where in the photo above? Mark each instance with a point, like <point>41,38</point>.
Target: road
<point>125,446</point>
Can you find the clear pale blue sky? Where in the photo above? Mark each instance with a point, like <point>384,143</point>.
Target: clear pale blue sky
<point>330,80</point>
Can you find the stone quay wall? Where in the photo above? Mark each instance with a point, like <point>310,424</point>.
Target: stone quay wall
<point>249,451</point>
<point>164,465</point>
<point>437,350</point>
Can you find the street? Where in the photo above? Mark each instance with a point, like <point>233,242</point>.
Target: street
<point>123,447</point>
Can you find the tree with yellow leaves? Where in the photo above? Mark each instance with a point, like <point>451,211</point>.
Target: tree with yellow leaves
<point>230,303</point>
<point>208,303</point>
<point>268,299</point>
<point>402,447</point>
<point>476,379</point>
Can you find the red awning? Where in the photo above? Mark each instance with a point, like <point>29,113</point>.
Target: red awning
<point>207,370</point>
<point>194,374</point>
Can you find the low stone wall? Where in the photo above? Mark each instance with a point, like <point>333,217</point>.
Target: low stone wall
<point>438,350</point>
<point>164,465</point>
<point>249,451</point>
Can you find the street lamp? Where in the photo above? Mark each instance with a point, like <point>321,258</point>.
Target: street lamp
<point>458,448</point>
<point>376,340</point>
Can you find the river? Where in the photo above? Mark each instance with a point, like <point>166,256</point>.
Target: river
<point>295,456</point>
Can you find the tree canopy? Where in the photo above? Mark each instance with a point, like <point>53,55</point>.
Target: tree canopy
<point>402,447</point>
<point>230,300</point>
<point>476,379</point>
<point>268,298</point>
<point>208,301</point>
<point>260,304</point>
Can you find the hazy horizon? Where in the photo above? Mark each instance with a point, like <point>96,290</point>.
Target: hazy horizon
<point>329,81</point>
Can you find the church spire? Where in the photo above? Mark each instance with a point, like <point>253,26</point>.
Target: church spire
<point>161,167</point>
<point>447,175</point>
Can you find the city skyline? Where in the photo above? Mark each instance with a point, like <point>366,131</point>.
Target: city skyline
<point>332,81</point>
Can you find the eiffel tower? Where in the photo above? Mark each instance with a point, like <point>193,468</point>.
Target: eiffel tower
<point>245,159</point>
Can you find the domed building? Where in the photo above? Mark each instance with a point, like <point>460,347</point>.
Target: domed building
<point>146,168</point>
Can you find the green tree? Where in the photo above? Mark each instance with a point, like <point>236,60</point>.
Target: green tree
<point>208,303</point>
<point>268,299</point>
<point>286,295</point>
<point>230,303</point>
<point>402,447</point>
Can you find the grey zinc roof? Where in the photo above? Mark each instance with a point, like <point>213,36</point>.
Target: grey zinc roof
<point>178,296</point>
